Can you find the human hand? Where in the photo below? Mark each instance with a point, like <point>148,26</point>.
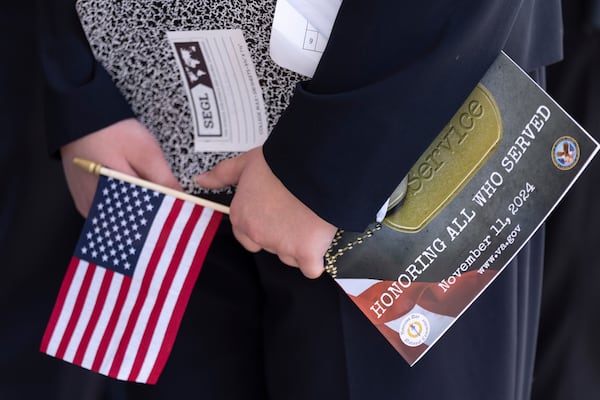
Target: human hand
<point>126,146</point>
<point>265,215</point>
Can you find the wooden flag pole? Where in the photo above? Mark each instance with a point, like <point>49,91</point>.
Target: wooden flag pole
<point>99,169</point>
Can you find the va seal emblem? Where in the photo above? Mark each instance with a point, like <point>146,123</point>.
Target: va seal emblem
<point>414,330</point>
<point>565,153</point>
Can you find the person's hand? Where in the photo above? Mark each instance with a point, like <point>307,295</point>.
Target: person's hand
<point>126,146</point>
<point>265,215</point>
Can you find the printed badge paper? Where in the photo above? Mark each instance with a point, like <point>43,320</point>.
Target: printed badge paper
<point>300,32</point>
<point>223,89</point>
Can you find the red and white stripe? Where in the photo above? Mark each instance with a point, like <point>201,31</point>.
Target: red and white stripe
<point>125,327</point>
<point>441,309</point>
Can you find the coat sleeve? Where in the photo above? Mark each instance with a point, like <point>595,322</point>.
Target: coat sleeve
<point>392,75</point>
<point>79,95</point>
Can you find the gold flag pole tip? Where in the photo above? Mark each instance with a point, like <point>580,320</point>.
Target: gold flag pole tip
<point>87,165</point>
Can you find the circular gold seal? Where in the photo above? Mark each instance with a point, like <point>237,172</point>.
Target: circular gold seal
<point>414,330</point>
<point>565,153</point>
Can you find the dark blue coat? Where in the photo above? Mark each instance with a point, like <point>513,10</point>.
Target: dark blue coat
<point>393,73</point>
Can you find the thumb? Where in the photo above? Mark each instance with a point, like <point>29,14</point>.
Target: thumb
<point>225,173</point>
<point>311,267</point>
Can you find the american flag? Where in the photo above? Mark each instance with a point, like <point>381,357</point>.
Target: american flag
<point>129,281</point>
<point>390,313</point>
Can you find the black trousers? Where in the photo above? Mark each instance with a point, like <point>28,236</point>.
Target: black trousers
<point>38,224</point>
<point>568,365</point>
<point>256,329</point>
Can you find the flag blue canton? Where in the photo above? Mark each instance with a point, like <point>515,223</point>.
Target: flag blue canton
<point>117,225</point>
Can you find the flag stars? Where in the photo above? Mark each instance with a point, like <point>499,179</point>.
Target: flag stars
<point>118,223</point>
